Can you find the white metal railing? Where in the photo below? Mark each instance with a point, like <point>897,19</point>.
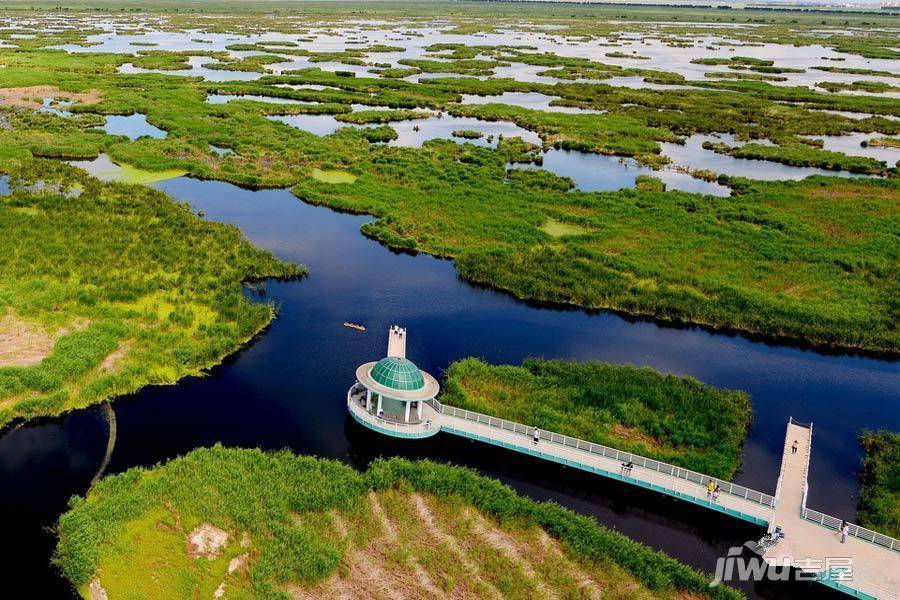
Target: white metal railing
<point>418,429</point>
<point>827,520</point>
<point>854,530</point>
<point>808,453</point>
<point>806,465</point>
<point>787,433</point>
<point>607,452</point>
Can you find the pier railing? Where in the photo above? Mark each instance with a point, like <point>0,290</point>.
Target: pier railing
<point>405,430</point>
<point>607,452</point>
<point>827,520</point>
<point>805,462</point>
<point>854,530</point>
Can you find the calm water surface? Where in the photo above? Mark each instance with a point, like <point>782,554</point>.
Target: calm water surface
<point>693,155</point>
<point>599,172</point>
<point>132,126</point>
<point>852,145</point>
<point>415,132</point>
<point>347,36</point>
<point>287,389</point>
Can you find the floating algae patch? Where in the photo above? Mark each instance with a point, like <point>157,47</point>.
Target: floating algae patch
<point>131,174</point>
<point>557,229</point>
<point>333,176</point>
<point>104,169</point>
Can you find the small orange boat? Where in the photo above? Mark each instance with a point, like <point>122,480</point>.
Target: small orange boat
<point>354,326</point>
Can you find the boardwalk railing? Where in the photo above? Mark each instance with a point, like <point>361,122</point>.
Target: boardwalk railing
<point>605,451</point>
<point>833,522</point>
<point>855,530</point>
<point>787,434</point>
<point>405,430</point>
<point>809,426</point>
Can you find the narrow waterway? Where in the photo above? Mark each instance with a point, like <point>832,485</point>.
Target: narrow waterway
<point>287,389</point>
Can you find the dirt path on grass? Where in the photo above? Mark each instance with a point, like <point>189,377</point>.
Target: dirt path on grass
<point>23,344</point>
<point>33,97</point>
<point>412,546</point>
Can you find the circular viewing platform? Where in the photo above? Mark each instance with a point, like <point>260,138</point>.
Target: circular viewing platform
<point>390,425</point>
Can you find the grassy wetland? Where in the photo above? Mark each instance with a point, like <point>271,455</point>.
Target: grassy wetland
<point>274,525</point>
<point>879,498</point>
<point>672,419</point>
<point>465,131</point>
<point>804,262</point>
<point>111,287</point>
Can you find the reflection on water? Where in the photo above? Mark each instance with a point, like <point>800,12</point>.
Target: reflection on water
<point>856,115</point>
<point>598,172</point>
<point>692,155</point>
<point>56,107</point>
<point>306,86</point>
<point>110,415</point>
<point>316,124</point>
<point>852,145</point>
<point>220,150</point>
<point>637,82</point>
<point>198,69</point>
<point>303,63</point>
<point>532,100</point>
<point>422,77</point>
<point>331,37</point>
<point>104,169</point>
<point>226,98</point>
<point>416,132</point>
<point>132,126</point>
<point>273,396</point>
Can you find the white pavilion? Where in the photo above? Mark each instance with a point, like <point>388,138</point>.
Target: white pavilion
<point>392,395</point>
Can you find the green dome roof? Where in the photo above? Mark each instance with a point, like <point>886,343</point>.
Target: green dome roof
<point>398,374</point>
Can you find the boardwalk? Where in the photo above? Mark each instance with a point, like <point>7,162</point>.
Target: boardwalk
<point>609,466</point>
<point>735,500</point>
<point>811,542</point>
<point>875,569</point>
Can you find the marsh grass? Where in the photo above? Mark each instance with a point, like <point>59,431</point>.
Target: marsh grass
<point>673,419</point>
<point>118,266</point>
<point>802,155</point>
<point>784,260</point>
<point>879,496</point>
<point>314,525</point>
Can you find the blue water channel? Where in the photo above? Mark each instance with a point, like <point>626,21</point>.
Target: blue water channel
<point>287,389</point>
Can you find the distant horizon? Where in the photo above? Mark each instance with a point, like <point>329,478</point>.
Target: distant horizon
<point>751,3</point>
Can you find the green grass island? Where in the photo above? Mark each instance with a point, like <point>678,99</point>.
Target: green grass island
<point>108,286</point>
<point>275,525</point>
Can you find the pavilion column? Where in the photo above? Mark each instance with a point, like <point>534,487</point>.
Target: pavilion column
<point>420,410</point>
<point>379,405</point>
<point>368,400</point>
<point>406,418</point>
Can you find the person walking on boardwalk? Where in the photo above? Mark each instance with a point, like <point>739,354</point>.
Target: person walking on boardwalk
<point>537,435</point>
<point>845,531</point>
<point>794,447</point>
<point>710,487</point>
<point>715,496</point>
